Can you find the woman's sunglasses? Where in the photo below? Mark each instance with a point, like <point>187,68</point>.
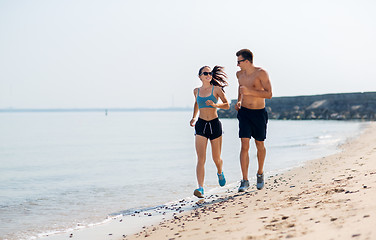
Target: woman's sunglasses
<point>207,73</point>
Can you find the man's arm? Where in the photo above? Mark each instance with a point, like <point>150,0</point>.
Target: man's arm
<point>240,96</point>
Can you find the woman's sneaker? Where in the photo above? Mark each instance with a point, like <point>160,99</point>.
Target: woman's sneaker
<point>199,192</point>
<point>244,185</point>
<point>221,179</point>
<point>260,181</point>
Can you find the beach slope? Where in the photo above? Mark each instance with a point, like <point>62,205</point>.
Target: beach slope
<point>328,198</point>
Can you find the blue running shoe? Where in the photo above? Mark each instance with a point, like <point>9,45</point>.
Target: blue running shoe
<point>221,179</point>
<point>244,185</point>
<point>260,181</point>
<point>199,192</point>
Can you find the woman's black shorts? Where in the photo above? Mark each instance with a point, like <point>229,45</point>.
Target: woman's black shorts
<point>210,129</point>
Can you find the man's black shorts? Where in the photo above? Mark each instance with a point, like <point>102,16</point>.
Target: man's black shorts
<point>210,129</point>
<point>252,123</point>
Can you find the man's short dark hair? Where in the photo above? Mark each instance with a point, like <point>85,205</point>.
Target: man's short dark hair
<point>246,54</point>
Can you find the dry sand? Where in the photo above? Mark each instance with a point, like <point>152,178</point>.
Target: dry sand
<point>328,198</point>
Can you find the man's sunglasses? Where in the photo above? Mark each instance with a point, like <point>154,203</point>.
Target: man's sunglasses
<point>207,73</point>
<point>241,61</point>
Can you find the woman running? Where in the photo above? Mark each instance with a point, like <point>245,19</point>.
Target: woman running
<point>208,125</point>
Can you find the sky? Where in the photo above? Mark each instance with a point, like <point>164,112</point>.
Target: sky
<point>146,54</point>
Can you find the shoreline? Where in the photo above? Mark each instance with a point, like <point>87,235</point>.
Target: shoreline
<point>327,198</point>
<point>293,204</point>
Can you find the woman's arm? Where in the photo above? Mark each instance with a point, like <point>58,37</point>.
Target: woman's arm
<point>219,92</point>
<point>195,109</point>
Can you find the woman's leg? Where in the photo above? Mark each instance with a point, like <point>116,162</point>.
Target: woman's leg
<point>201,143</point>
<point>216,145</point>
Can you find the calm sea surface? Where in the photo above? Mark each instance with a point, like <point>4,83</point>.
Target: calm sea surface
<point>60,169</point>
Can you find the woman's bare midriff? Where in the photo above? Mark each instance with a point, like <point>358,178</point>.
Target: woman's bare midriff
<point>208,114</point>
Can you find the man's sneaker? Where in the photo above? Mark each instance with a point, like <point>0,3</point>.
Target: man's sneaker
<point>244,185</point>
<point>199,192</point>
<point>221,179</point>
<point>260,181</point>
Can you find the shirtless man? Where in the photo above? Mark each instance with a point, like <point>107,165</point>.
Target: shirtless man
<point>254,87</point>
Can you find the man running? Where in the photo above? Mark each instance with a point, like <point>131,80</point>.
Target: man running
<point>254,88</point>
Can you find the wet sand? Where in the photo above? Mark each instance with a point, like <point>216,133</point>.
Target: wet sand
<point>328,198</point>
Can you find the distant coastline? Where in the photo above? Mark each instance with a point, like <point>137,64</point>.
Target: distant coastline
<point>10,110</point>
<point>340,106</point>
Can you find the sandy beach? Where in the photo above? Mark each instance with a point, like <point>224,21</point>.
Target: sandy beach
<point>327,198</point>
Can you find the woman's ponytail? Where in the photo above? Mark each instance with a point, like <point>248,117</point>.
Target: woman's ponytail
<point>219,77</point>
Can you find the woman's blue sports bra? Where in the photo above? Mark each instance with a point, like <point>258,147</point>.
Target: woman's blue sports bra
<point>201,100</point>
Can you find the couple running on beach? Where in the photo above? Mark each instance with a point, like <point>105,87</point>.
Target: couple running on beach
<point>254,88</point>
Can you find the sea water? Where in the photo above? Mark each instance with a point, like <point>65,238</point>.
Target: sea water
<point>60,170</point>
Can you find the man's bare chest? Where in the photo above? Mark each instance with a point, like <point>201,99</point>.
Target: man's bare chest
<point>249,81</point>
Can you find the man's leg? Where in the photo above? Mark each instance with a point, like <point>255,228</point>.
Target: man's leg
<point>244,163</point>
<point>261,153</point>
<point>244,157</point>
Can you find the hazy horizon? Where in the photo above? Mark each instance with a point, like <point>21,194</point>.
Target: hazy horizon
<point>151,108</point>
<point>146,54</point>
<point>168,108</point>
